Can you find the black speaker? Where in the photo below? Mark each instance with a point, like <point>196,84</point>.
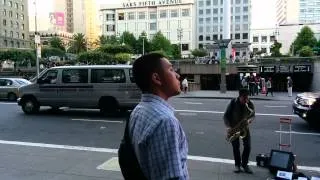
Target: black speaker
<point>262,160</point>
<point>281,160</point>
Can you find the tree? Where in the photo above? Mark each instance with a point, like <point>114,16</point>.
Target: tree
<point>122,58</point>
<point>94,57</point>
<point>115,49</point>
<point>275,49</point>
<point>78,44</point>
<point>199,53</point>
<point>306,51</point>
<point>138,48</point>
<point>305,38</point>
<point>56,42</point>
<point>50,51</point>
<point>102,40</point>
<point>176,51</point>
<point>128,39</point>
<point>159,42</point>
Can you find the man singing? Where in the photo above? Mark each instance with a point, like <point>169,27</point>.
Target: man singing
<point>240,111</point>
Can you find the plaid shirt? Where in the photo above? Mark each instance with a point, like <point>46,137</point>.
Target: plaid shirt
<point>158,140</point>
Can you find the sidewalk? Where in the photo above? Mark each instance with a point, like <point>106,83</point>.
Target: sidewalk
<point>32,161</point>
<point>277,96</point>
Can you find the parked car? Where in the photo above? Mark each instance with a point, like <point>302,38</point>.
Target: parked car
<point>307,106</point>
<point>9,87</point>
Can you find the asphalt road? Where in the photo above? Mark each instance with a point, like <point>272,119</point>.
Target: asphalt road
<point>201,119</point>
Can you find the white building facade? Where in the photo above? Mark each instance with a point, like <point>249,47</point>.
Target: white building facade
<point>262,40</point>
<point>173,18</point>
<point>309,11</point>
<point>210,25</point>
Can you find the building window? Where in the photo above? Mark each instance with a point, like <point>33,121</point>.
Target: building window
<point>215,37</point>
<point>12,44</point>
<point>10,13</point>
<point>245,9</point>
<point>4,2</point>
<point>245,1</point>
<point>200,3</point>
<point>22,36</point>
<point>215,2</point>
<point>208,19</point>
<point>185,47</point>
<point>22,17</point>
<point>255,39</point>
<point>5,43</point>
<point>17,35</point>
<point>200,12</point>
<point>185,12</point>
<point>200,29</point>
<point>215,20</point>
<point>264,39</point>
<point>200,20</point>
<point>201,38</point>
<point>10,3</point>
<point>245,18</point>
<point>142,15</point>
<point>22,8</point>
<point>215,11</point>
<point>110,28</point>
<point>264,50</point>
<point>237,27</point>
<point>238,10</point>
<point>110,17</point>
<point>131,16</point>
<point>200,46</point>
<point>208,11</point>
<point>11,34</point>
<point>153,26</point>
<point>17,25</point>
<point>121,16</point>
<point>153,15</point>
<point>163,14</point>
<point>221,11</point>
<point>245,36</point>
<point>17,16</point>
<point>238,1</point>
<point>174,13</point>
<point>16,5</point>
<point>5,33</point>
<point>208,3</point>
<point>255,50</point>
<point>11,24</point>
<point>208,29</point>
<point>22,26</point>
<point>215,28</point>
<point>208,38</point>
<point>272,38</point>
<point>237,36</point>
<point>108,76</point>
<point>18,44</point>
<point>245,27</point>
<point>4,12</point>
<point>237,18</point>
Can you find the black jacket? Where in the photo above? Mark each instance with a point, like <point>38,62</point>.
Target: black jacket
<point>236,111</point>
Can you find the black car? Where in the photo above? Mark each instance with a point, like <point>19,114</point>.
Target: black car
<point>307,106</point>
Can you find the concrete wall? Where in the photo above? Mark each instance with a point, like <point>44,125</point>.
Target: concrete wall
<point>316,77</point>
<point>206,68</point>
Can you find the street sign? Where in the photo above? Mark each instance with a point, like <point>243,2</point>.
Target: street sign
<point>37,39</point>
<point>39,51</point>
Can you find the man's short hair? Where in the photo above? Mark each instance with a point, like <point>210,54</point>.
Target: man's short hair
<point>243,92</point>
<point>144,67</point>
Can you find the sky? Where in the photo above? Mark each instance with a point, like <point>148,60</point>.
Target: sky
<point>263,12</point>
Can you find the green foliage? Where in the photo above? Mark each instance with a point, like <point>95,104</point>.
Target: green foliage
<point>122,58</point>
<point>56,42</point>
<point>128,39</point>
<point>17,55</point>
<point>176,51</point>
<point>115,49</point>
<point>275,49</point>
<point>199,52</point>
<point>102,40</point>
<point>305,38</point>
<point>160,42</point>
<point>50,51</point>
<point>78,44</point>
<point>94,57</point>
<point>306,51</point>
<point>138,48</point>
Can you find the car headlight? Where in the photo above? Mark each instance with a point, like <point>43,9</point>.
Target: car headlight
<point>310,101</point>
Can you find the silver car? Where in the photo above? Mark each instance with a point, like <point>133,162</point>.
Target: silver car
<point>9,87</point>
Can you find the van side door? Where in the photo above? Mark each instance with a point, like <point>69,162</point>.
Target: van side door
<point>48,85</point>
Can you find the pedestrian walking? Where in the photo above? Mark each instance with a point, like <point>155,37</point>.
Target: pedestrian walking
<point>185,85</point>
<point>269,87</point>
<point>237,117</point>
<point>289,86</point>
<point>156,135</point>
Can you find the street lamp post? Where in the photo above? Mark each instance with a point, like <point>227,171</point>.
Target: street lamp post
<point>143,36</point>
<point>36,38</point>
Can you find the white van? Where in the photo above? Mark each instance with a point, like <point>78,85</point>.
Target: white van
<point>109,88</point>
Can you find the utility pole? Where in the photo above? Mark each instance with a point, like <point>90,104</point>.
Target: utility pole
<point>36,38</point>
<point>180,36</point>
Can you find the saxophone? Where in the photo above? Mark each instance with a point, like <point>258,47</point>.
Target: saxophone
<point>240,130</point>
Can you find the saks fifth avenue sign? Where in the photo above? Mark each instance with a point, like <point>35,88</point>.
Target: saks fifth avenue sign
<point>150,3</point>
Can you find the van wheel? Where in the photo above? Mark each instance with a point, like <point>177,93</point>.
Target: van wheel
<point>12,97</point>
<point>30,106</point>
<point>108,106</point>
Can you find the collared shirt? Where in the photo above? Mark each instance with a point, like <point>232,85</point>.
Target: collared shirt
<point>158,139</point>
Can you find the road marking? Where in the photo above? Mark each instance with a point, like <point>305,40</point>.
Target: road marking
<point>110,165</point>
<point>275,106</point>
<point>9,103</point>
<point>97,120</point>
<point>115,151</point>
<point>187,114</point>
<point>195,103</point>
<point>300,133</point>
<point>220,112</point>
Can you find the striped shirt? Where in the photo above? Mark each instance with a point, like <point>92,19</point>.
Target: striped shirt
<point>158,139</point>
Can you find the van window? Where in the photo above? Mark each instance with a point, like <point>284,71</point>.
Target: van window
<point>107,76</point>
<point>131,76</point>
<point>50,77</point>
<point>75,76</point>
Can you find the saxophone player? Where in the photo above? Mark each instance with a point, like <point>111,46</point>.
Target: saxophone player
<point>240,109</point>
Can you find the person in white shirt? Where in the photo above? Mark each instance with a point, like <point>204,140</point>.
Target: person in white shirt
<point>269,87</point>
<point>289,86</point>
<point>185,85</point>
